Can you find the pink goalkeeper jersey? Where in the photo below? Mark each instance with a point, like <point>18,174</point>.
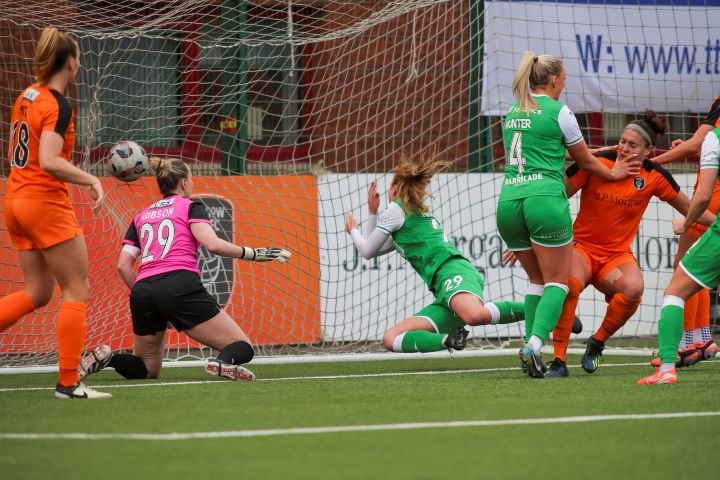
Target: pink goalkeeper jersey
<point>162,233</point>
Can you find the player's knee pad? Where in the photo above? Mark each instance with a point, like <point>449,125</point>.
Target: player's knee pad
<point>237,353</point>
<point>129,366</point>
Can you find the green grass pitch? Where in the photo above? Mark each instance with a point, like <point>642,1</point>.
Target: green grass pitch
<point>377,401</point>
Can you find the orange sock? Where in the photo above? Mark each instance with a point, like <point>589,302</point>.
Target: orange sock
<point>619,311</point>
<point>13,307</point>
<point>702,318</point>
<point>690,311</point>
<point>71,338</point>
<point>561,332</point>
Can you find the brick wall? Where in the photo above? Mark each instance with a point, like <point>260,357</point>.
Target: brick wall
<point>366,111</point>
<point>17,49</point>
<point>17,45</point>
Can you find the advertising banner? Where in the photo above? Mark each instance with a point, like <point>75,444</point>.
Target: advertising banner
<point>620,55</point>
<point>362,298</point>
<point>273,303</point>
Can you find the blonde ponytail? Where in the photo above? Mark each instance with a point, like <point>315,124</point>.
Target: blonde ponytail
<point>533,72</point>
<point>411,180</point>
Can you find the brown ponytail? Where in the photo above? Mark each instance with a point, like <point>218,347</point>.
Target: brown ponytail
<point>651,125</point>
<point>52,53</point>
<point>168,173</point>
<point>412,179</point>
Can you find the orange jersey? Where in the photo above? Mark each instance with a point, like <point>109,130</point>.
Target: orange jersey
<point>38,109</point>
<point>713,116</point>
<point>716,188</point>
<point>610,212</point>
<point>713,119</point>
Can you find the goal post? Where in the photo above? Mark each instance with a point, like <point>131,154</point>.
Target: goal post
<point>286,110</point>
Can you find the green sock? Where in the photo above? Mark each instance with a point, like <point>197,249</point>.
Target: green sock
<point>511,312</point>
<point>423,341</point>
<point>531,304</point>
<point>548,310</point>
<point>670,331</point>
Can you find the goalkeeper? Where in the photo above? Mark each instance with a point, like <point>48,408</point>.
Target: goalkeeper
<point>167,286</point>
<point>407,226</point>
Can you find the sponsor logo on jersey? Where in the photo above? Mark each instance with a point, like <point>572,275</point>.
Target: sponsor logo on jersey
<point>561,234</point>
<point>514,109</point>
<point>30,94</point>
<point>639,183</point>
<point>165,202</point>
<point>523,179</point>
<point>216,273</point>
<point>616,200</point>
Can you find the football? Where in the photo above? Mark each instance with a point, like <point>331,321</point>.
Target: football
<point>128,161</point>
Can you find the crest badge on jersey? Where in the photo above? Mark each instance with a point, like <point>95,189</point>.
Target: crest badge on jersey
<point>639,183</point>
<point>30,94</point>
<point>216,272</point>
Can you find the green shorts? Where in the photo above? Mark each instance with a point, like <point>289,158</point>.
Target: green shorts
<point>454,276</point>
<point>702,260</point>
<point>544,219</point>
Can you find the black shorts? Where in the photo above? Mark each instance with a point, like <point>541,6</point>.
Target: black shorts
<point>178,297</point>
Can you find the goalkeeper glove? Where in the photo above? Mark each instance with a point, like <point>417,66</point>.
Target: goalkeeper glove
<point>265,254</point>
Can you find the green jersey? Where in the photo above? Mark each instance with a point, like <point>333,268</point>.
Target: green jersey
<point>418,237</point>
<point>710,156</point>
<point>535,145</point>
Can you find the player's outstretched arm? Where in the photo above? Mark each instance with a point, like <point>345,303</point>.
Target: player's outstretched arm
<point>373,198</point>
<point>376,244</point>
<point>207,237</point>
<point>51,145</point>
<point>570,188</point>
<point>681,203</point>
<point>585,160</point>
<point>683,149</point>
<point>266,254</point>
<point>701,199</point>
<point>128,255</point>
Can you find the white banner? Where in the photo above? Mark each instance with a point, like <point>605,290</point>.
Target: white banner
<point>619,57</point>
<point>362,298</point>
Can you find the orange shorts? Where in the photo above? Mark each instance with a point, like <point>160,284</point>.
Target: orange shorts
<point>602,264</point>
<point>35,224</point>
<point>696,230</point>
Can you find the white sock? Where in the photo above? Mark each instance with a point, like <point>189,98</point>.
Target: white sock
<point>705,334</point>
<point>687,340</point>
<point>535,343</point>
<point>535,289</point>
<point>494,313</point>
<point>397,343</point>
<point>697,335</point>
<point>667,366</point>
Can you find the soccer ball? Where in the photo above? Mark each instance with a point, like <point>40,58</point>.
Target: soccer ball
<point>128,161</point>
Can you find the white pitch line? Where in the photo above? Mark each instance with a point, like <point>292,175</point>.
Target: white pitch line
<point>349,428</point>
<point>317,377</point>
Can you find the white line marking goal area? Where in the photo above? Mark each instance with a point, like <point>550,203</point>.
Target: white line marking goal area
<point>351,428</point>
<point>142,384</point>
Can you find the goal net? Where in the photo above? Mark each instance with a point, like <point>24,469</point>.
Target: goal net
<point>287,110</point>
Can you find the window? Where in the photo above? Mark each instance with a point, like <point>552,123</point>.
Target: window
<point>128,89</point>
<point>272,91</point>
<point>170,88</point>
